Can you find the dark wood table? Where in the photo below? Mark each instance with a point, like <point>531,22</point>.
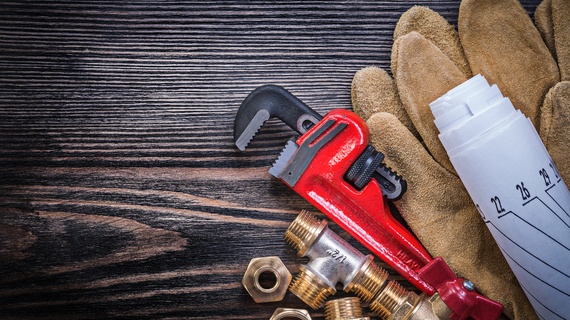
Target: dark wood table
<point>122,194</point>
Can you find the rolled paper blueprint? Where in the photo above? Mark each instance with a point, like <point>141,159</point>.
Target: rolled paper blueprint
<point>516,187</point>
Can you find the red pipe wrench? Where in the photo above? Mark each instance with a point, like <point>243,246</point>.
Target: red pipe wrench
<point>332,166</point>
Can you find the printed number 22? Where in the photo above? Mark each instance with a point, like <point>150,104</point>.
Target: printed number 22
<point>498,205</point>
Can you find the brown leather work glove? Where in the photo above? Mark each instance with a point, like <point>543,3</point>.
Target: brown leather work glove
<point>498,40</point>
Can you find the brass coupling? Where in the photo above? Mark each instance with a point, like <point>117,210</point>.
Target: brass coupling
<point>395,302</point>
<point>288,313</point>
<point>344,309</point>
<point>392,298</point>
<point>256,268</point>
<point>332,260</point>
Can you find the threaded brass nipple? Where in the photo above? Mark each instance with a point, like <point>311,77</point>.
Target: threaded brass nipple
<point>310,288</point>
<point>303,231</point>
<point>388,301</point>
<point>368,281</point>
<point>344,309</point>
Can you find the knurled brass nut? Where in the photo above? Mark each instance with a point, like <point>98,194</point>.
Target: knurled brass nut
<point>286,313</point>
<point>256,267</point>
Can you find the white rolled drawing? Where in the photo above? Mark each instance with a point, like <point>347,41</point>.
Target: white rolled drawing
<point>514,184</point>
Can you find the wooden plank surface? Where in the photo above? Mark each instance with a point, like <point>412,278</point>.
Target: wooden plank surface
<point>121,192</point>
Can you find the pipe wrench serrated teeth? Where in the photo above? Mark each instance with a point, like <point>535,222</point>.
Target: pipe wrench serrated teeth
<point>267,102</point>
<point>251,129</point>
<point>283,160</point>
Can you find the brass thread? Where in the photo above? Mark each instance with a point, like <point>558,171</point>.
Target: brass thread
<point>303,231</point>
<point>388,301</point>
<point>368,281</point>
<point>310,288</point>
<point>344,309</point>
<point>288,313</point>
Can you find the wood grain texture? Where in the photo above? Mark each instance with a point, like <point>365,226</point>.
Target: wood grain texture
<point>121,192</point>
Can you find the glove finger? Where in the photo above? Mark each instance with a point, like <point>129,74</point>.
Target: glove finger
<point>436,29</point>
<point>561,26</point>
<point>424,74</point>
<point>437,208</point>
<point>373,91</point>
<point>555,126</point>
<point>543,22</point>
<point>501,42</point>
<point>426,179</point>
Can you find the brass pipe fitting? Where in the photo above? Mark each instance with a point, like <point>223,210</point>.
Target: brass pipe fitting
<point>344,309</point>
<point>256,267</point>
<point>288,313</point>
<point>395,302</point>
<point>332,261</point>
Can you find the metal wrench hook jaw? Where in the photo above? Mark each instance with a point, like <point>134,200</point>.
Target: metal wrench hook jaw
<point>270,101</point>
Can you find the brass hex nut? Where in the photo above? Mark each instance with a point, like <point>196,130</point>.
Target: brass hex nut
<point>407,307</point>
<point>256,267</point>
<point>282,313</point>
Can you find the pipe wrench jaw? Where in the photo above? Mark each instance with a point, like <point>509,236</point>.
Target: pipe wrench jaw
<point>304,153</point>
<point>267,102</point>
<point>271,101</point>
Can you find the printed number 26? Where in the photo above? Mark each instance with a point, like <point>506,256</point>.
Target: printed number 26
<point>525,194</point>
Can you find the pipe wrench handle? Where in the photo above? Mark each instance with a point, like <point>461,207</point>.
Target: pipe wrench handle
<point>316,170</point>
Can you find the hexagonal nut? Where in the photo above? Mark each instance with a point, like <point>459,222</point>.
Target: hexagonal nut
<point>407,307</point>
<point>282,313</point>
<point>256,267</point>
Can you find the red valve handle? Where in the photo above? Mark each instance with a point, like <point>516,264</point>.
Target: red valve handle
<point>459,297</point>
<point>366,216</point>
